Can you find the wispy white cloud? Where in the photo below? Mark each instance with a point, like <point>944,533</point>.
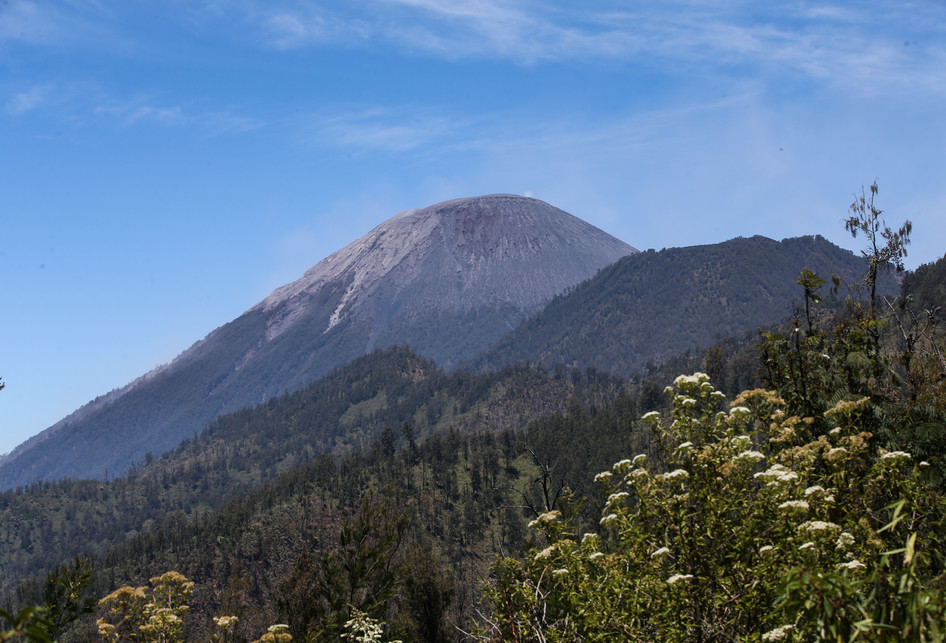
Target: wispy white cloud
<point>129,114</point>
<point>387,129</point>
<point>136,113</point>
<point>59,25</point>
<point>29,99</point>
<point>846,46</point>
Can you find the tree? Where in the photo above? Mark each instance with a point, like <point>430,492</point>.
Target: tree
<point>885,247</point>
<point>362,572</point>
<point>66,592</point>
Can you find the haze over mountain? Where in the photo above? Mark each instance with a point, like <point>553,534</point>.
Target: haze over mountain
<point>448,280</point>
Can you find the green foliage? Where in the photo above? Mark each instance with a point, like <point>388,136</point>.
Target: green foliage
<point>894,357</point>
<point>885,247</point>
<point>314,510</point>
<point>696,545</point>
<point>29,624</point>
<point>361,628</point>
<point>66,592</point>
<point>361,574</point>
<point>48,523</point>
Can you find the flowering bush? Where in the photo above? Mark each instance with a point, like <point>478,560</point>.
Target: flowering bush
<point>750,531</point>
<point>147,614</point>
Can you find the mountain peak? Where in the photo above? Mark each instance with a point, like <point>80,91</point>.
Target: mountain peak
<point>459,255</point>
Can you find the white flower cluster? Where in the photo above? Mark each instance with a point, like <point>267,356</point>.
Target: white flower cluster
<point>687,381</point>
<point>740,413</point>
<point>663,551</point>
<point>361,628</point>
<point>604,477</point>
<point>622,467</point>
<point>818,525</point>
<point>794,506</point>
<point>616,497</point>
<point>653,416</point>
<point>845,540</point>
<point>778,634</point>
<point>750,457</point>
<point>777,474</point>
<point>547,517</point>
<point>224,622</point>
<point>546,553</point>
<point>676,578</point>
<point>852,565</point>
<point>895,457</point>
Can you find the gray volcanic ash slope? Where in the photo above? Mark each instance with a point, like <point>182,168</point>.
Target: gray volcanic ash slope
<point>448,280</point>
<point>498,257</point>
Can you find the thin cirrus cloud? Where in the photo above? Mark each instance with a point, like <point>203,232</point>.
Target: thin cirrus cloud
<point>29,99</point>
<point>837,45</point>
<point>137,113</point>
<point>385,129</point>
<point>58,25</point>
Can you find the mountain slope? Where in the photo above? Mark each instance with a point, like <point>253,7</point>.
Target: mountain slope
<point>653,305</point>
<point>447,280</point>
<point>344,412</point>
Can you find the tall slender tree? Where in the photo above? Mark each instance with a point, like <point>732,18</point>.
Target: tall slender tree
<point>885,247</point>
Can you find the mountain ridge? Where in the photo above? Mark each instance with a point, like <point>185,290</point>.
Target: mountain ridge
<point>653,305</point>
<point>435,278</point>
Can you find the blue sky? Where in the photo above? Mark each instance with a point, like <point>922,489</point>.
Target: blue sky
<point>165,164</point>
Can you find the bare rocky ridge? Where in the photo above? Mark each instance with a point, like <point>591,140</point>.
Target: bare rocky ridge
<point>447,280</point>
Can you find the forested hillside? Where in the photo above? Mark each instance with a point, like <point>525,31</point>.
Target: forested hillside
<point>654,305</point>
<point>521,505</point>
<point>348,411</point>
<point>450,501</point>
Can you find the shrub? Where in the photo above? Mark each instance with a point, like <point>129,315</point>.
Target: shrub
<point>749,531</point>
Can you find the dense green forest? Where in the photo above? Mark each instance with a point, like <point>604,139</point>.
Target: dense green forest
<point>791,490</point>
<point>345,412</point>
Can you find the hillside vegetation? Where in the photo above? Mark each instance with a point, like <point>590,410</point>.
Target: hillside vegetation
<point>653,305</point>
<point>395,501</point>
